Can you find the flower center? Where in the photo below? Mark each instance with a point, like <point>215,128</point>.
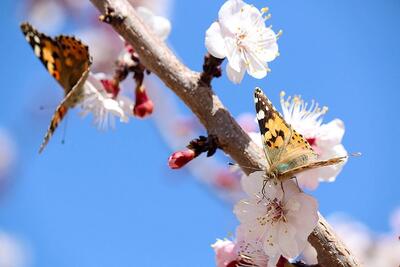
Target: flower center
<point>240,38</point>
<point>275,211</point>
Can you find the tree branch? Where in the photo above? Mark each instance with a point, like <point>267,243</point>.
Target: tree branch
<point>200,98</point>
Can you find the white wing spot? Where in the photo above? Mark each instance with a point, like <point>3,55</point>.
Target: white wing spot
<point>260,115</point>
<point>256,100</point>
<point>28,38</point>
<point>36,38</point>
<point>37,50</point>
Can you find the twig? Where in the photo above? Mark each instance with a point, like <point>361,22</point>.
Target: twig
<point>201,99</point>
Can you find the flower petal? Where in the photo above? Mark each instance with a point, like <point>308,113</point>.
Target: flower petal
<point>227,14</point>
<point>233,75</point>
<point>214,42</point>
<point>255,67</point>
<point>287,242</point>
<point>253,183</point>
<point>330,134</point>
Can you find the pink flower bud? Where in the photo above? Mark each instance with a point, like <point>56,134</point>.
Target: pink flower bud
<point>179,159</point>
<point>143,105</point>
<point>129,48</point>
<point>111,87</point>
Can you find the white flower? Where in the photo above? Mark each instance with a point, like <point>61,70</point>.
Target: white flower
<point>280,220</point>
<point>159,25</point>
<point>325,139</point>
<point>103,105</point>
<point>241,35</point>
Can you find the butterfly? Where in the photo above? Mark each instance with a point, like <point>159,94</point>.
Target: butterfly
<point>67,59</point>
<point>287,151</point>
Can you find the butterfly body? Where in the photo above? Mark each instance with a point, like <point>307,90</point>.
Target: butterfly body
<point>67,59</point>
<point>287,151</point>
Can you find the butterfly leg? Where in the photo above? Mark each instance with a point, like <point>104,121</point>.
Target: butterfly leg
<point>263,188</point>
<point>283,190</point>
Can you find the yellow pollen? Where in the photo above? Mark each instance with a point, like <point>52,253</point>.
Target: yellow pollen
<point>296,99</point>
<point>267,17</point>
<point>264,10</point>
<point>325,109</point>
<point>282,94</point>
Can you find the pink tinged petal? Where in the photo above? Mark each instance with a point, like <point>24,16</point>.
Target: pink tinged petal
<point>273,260</point>
<point>225,252</point>
<point>309,255</point>
<point>271,241</point>
<point>253,183</point>
<point>252,231</point>
<point>289,246</point>
<point>235,76</point>
<point>303,214</point>
<point>214,42</point>
<point>308,179</point>
<point>248,211</point>
<point>290,188</point>
<point>330,134</point>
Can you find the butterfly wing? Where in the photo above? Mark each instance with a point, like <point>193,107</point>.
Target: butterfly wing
<point>62,108</point>
<point>65,58</point>
<point>312,165</point>
<point>76,60</point>
<point>284,147</point>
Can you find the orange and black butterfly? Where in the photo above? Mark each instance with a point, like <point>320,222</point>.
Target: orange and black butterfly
<point>67,59</point>
<point>287,151</point>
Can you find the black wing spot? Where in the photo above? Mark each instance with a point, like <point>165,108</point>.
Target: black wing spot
<point>55,55</point>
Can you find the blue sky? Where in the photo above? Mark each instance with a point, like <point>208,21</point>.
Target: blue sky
<point>108,198</point>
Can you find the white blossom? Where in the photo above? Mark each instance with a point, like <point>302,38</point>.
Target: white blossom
<point>159,25</point>
<point>281,220</point>
<point>240,35</point>
<point>103,105</point>
<point>325,139</point>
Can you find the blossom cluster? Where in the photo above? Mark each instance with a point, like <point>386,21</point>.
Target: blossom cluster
<point>276,217</point>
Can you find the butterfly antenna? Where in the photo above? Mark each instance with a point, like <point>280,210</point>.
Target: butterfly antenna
<point>244,167</point>
<point>64,130</point>
<point>42,107</point>
<point>356,154</point>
